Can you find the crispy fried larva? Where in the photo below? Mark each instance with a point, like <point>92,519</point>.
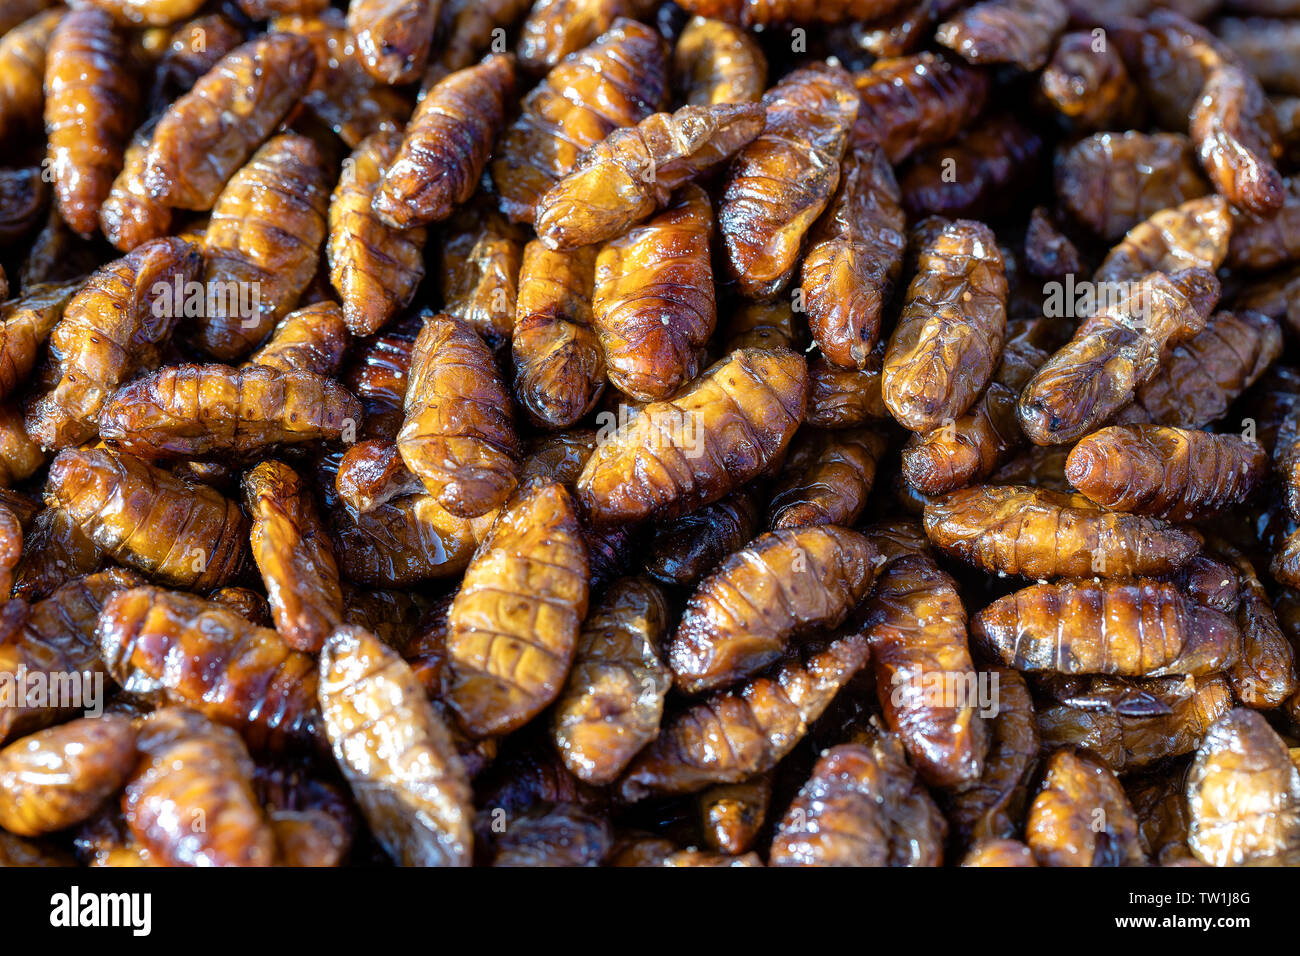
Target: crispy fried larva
<point>55,550</point>
<point>999,853</point>
<point>25,323</point>
<point>742,617</point>
<point>393,37</point>
<point>22,73</point>
<point>908,103</point>
<point>191,801</point>
<point>129,215</point>
<point>481,257</point>
<point>1167,472</point>
<point>845,398</point>
<point>1266,674</point>
<point>458,435</point>
<point>751,13</point>
<point>862,806</point>
<point>779,184</point>
<point>1076,795</point>
<point>446,145</point>
<point>1091,86</point>
<point>374,267</point>
<point>1162,817</point>
<point>1110,182</point>
<point>1267,47</point>
<point>395,752</point>
<point>759,325</point>
<point>1049,253</point>
<point>1022,32</point>
<point>1193,235</point>
<point>208,133</point>
<point>192,49</point>
<point>973,174</point>
<point>308,838</point>
<point>20,455</point>
<point>733,814</point>
<point>249,605</point>
<point>559,364</point>
<point>58,777</point>
<point>633,172</point>
<point>179,533</point>
<point>24,197</point>
<point>854,256</point>
<point>294,555</point>
<point>730,736</point>
<point>514,622</point>
<point>145,13</point>
<point>372,473</point>
<point>611,706</point>
<point>555,28</point>
<point>653,306</point>
<point>715,62</point>
<point>1262,242</point>
<point>1112,353</point>
<point>401,543</point>
<point>195,652</point>
<point>1123,628</point>
<point>311,339</point>
<point>262,244</point>
<point>618,80</point>
<point>826,478</point>
<point>722,430</point>
<point>683,550</point>
<point>377,374</point>
<point>949,336</point>
<point>1242,794</point>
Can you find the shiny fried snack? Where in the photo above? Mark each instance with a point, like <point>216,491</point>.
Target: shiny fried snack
<point>1266,674</point>
<point>192,49</point>
<point>909,103</point>
<point>683,550</point>
<point>715,62</point>
<point>732,815</point>
<point>146,13</point>
<point>1193,235</point>
<point>377,373</point>
<point>465,28</point>
<point>22,72</point>
<point>311,339</point>
<point>653,306</point>
<point>395,752</point>
<point>555,28</point>
<point>393,36</point>
<point>826,478</point>
<point>20,455</point>
<point>750,13</point>
<point>248,604</point>
<point>401,543</point>
<point>1077,795</point>
<point>742,617</point>
<point>481,257</point>
<point>372,473</point>
<point>1022,32</point>
<point>129,215</point>
<point>1091,87</point>
<point>1273,239</point>
<point>779,184</point>
<point>845,398</point>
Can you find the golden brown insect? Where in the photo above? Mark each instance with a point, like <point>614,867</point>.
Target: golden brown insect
<point>113,327</point>
<point>971,175</point>
<point>1266,674</point>
<point>946,345</point>
<point>458,436</point>
<point>1112,353</point>
<point>723,429</point>
<point>715,62</point>
<point>395,752</point>
<point>555,28</point>
<point>1091,86</point>
<point>1077,795</point>
<point>514,622</point>
<point>311,339</point>
<point>446,145</point>
<point>207,134</point>
<point>393,36</point>
<point>145,13</point>
<point>633,172</point>
<point>372,473</point>
<point>262,245</point>
<point>1022,32</point>
<point>684,549</point>
<point>466,31</point>
<point>401,542</point>
<point>248,604</point>
<point>618,80</point>
<point>179,533</point>
<point>192,49</point>
<point>1193,235</point>
<point>769,325</point>
<point>653,306</point>
<point>779,184</point>
<point>129,216</point>
<point>1262,242</point>
<point>750,13</point>
<point>377,375</point>
<point>611,706</point>
<point>20,455</point>
<point>55,551</point>
<point>826,478</point>
<point>908,103</point>
<point>374,267</point>
<point>481,258</point>
<point>733,814</point>
<point>845,398</point>
<point>22,72</point>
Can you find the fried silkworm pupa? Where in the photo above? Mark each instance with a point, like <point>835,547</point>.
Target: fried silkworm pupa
<point>559,364</point>
<point>481,257</point>
<point>729,737</point>
<point>395,752</point>
<point>618,80</point>
<point>294,555</point>
<point>372,473</point>
<point>58,777</point>
<point>192,49</point>
<point>742,617</point>
<point>633,172</point>
<point>377,373</point>
<point>862,806</point>
<point>113,327</point>
<point>1090,86</point>
<point>1109,182</point>
<point>208,133</point>
<point>1122,628</point>
<point>393,37</point>
<point>725,428</point>
<point>854,256</point>
<point>715,62</point>
<point>1162,817</point>
<point>561,836</point>
<point>613,700</point>
<point>55,550</point>
<point>733,814</point>
<point>312,339</point>
<point>987,159</point>
<point>761,13</point>
<point>1193,235</point>
<point>458,435</point>
<point>999,853</point>
<point>446,145</point>
<point>1112,353</point>
<point>1076,795</point>
<point>190,801</point>
<point>908,103</point>
<point>248,604</point>
<point>1022,32</point>
<point>683,550</point>
<point>555,28</point>
<point>22,72</point>
<point>129,215</point>
<point>179,533</point>
<point>145,13</point>
<point>845,398</point>
<point>1263,242</point>
<point>262,244</point>
<point>20,456</point>
<point>1266,674</point>
<point>401,543</point>
<point>1167,472</point>
<point>826,478</point>
<point>374,267</point>
<point>465,31</point>
<point>194,652</point>
<point>1208,581</point>
<point>779,184</point>
<point>513,626</point>
<point>949,336</point>
<point>653,307</point>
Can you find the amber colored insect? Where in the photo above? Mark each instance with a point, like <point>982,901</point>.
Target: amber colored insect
<point>395,751</point>
<point>446,145</point>
<point>972,175</point>
<point>208,133</point>
<point>311,339</point>
<point>1022,32</point>
<point>683,550</point>
<point>22,72</point>
<point>732,815</point>
<point>555,28</point>
<point>393,36</point>
<point>113,327</point>
<point>909,103</point>
<point>1273,239</point>
<point>191,800</point>
<point>949,336</point>
<point>514,623</point>
<point>826,478</point>
<point>759,13</point>
<point>612,703</point>
<point>730,736</point>
<point>715,62</point>
<point>845,398</point>
<point>128,215</point>
<point>1077,796</point>
<point>192,49</point>
<point>466,32</point>
<point>779,184</point>
<point>56,550</point>
<point>372,473</point>
<point>401,542</point>
<point>1088,83</point>
<point>146,13</point>
<point>481,258</point>
<point>377,374</point>
<point>248,604</point>
<point>1193,235</point>
<point>20,456</point>
<point>653,307</point>
<point>1266,674</point>
<point>618,80</point>
<point>1168,69</point>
